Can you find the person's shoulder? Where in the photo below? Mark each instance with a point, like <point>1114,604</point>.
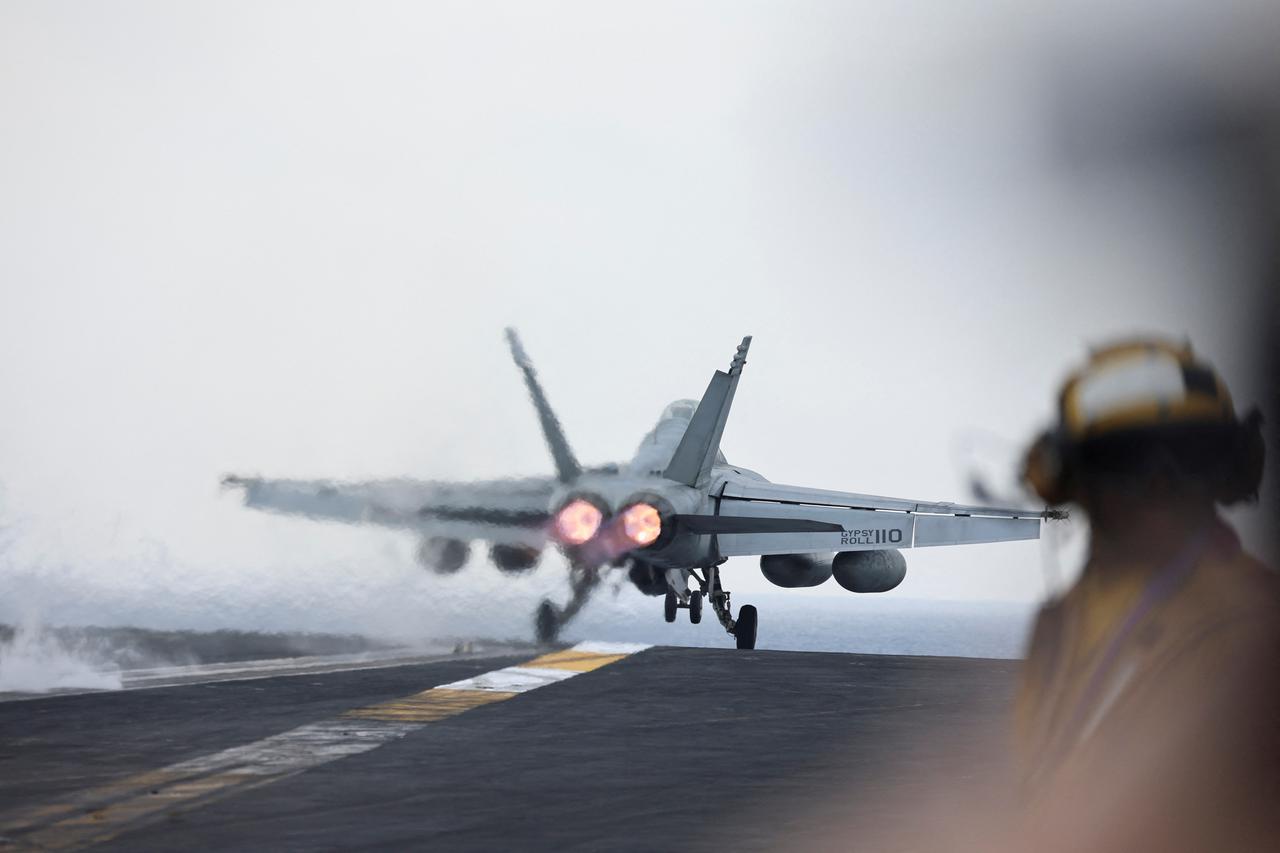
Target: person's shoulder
<point>1257,587</point>
<point>1257,570</point>
<point>1235,601</point>
<point>1242,583</point>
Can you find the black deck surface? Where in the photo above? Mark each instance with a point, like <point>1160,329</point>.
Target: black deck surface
<point>668,749</point>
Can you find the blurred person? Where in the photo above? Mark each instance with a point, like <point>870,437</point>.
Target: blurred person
<point>1147,714</point>
<point>1148,711</point>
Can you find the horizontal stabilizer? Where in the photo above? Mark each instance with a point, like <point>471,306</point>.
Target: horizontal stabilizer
<point>729,524</point>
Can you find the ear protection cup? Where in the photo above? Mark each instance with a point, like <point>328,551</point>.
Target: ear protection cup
<point>1248,455</point>
<point>1046,470</point>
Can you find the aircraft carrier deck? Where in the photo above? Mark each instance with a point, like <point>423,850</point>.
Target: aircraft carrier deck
<point>594,747</point>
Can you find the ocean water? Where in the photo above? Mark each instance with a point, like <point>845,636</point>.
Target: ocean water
<point>38,658</point>
<point>868,624</point>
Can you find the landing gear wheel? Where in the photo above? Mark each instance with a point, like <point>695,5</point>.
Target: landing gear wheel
<point>547,623</point>
<point>695,607</point>
<point>745,629</point>
<point>669,606</point>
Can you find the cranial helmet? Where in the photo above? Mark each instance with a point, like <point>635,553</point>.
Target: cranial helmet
<point>1143,392</point>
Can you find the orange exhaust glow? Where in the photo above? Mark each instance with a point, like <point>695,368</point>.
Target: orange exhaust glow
<point>642,524</point>
<point>577,521</point>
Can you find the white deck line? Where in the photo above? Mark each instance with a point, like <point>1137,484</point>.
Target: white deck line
<point>512,679</point>
<point>319,743</point>
<point>611,648</point>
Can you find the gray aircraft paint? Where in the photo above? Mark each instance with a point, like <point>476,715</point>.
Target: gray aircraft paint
<point>678,467</point>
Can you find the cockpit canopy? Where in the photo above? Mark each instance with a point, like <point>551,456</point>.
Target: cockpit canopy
<point>681,410</point>
<point>667,433</point>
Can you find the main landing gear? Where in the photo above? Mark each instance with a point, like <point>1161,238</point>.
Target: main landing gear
<point>743,628</point>
<point>692,602</point>
<point>549,619</point>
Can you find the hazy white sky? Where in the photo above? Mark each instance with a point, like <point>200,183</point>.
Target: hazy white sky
<point>284,238</point>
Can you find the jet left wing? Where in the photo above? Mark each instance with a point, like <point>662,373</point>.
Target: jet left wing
<point>798,520</point>
<point>506,512</point>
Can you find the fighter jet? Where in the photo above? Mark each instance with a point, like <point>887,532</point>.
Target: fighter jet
<point>674,513</point>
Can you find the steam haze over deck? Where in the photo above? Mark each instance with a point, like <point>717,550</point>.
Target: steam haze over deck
<point>279,243</point>
<point>256,240</point>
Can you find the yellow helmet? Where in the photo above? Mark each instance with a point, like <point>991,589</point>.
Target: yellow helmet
<point>1140,387</point>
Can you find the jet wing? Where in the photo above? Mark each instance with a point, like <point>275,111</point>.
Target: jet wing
<point>824,521</point>
<point>508,512</point>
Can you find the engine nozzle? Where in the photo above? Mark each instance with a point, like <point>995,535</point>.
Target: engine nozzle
<point>641,524</point>
<point>578,521</point>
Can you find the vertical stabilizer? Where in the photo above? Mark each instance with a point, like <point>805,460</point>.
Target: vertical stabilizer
<point>692,461</point>
<point>567,467</point>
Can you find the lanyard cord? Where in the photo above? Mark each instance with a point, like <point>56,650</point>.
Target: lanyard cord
<point>1165,582</point>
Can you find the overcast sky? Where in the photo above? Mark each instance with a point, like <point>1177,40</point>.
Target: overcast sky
<point>284,238</point>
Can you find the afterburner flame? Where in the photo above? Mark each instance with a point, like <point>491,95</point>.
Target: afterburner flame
<point>642,524</point>
<point>577,521</point>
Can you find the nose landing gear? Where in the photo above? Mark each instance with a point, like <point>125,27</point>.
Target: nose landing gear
<point>549,619</point>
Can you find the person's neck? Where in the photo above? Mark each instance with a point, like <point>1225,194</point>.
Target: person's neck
<point>1146,537</point>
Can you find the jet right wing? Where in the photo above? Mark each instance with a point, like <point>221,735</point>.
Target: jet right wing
<point>757,517</point>
<point>506,512</point>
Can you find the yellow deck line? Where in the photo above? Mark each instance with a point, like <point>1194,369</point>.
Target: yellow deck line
<point>429,706</point>
<point>103,824</point>
<point>91,798</point>
<point>101,813</point>
<point>573,660</point>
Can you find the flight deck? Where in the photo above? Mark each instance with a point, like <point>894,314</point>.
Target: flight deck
<point>590,747</point>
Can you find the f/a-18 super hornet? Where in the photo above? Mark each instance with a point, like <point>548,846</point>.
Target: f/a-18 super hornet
<point>675,512</point>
